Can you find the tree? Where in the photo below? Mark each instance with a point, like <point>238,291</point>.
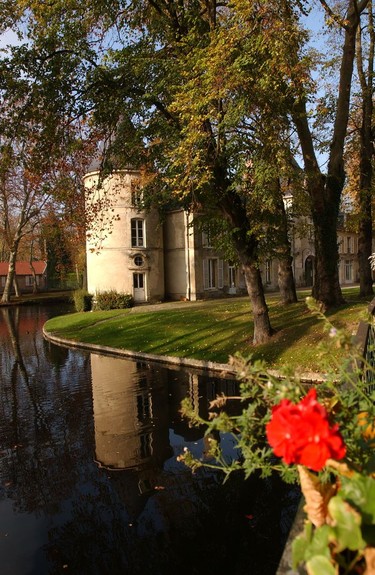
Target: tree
<point>286,280</point>
<point>325,190</point>
<point>359,153</point>
<point>45,150</point>
<point>138,95</point>
<point>202,127</point>
<point>191,92</point>
<point>20,205</point>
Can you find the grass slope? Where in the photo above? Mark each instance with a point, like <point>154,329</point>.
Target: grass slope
<point>214,330</point>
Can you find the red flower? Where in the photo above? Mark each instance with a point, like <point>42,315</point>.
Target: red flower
<point>301,433</point>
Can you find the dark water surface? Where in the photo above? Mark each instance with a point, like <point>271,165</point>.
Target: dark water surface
<point>89,481</point>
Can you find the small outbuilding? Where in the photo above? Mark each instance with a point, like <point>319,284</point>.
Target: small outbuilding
<point>29,275</point>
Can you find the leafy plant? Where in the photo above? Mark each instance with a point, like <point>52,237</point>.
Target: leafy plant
<point>322,437</point>
<point>82,300</point>
<point>112,299</point>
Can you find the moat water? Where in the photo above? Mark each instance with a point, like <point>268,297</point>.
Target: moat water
<point>89,478</point>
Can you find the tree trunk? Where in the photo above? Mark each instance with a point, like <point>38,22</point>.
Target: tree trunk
<point>285,276</point>
<point>10,278</point>
<point>326,286</point>
<point>285,280</point>
<point>262,325</point>
<point>246,246</point>
<point>325,194</point>
<point>35,283</point>
<point>17,290</point>
<point>325,191</point>
<point>365,161</point>
<point>365,245</point>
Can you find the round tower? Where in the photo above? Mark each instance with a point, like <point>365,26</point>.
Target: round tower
<point>124,241</point>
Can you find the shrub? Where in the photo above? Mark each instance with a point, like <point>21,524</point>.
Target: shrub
<point>82,300</point>
<point>111,299</point>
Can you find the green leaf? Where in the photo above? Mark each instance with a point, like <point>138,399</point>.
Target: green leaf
<point>320,565</point>
<point>320,543</point>
<point>300,545</point>
<point>311,543</point>
<point>347,528</point>
<point>359,491</point>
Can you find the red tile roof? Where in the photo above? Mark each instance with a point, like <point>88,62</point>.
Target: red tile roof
<point>24,268</point>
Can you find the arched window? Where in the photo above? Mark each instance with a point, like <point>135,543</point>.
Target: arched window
<point>137,233</point>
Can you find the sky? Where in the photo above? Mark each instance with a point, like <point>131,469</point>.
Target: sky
<point>8,37</point>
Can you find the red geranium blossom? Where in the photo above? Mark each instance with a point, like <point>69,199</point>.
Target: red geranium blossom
<point>301,433</point>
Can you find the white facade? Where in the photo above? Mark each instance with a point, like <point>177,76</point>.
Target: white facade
<point>131,251</point>
<point>124,242</point>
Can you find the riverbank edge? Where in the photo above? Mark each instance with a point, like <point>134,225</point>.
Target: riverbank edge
<point>205,365</point>
<point>209,366</point>
<point>64,296</point>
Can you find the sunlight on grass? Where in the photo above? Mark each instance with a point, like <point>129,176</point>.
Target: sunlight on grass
<point>214,330</point>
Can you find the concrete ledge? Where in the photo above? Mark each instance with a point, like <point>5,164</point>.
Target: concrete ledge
<point>309,378</point>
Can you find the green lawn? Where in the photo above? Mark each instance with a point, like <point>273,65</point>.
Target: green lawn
<point>214,330</point>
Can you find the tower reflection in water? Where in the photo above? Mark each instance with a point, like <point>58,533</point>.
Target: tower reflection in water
<point>130,415</point>
<point>139,431</point>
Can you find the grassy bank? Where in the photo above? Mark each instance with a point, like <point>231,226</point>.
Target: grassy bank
<point>214,330</point>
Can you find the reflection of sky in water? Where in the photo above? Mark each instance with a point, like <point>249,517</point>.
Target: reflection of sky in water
<point>90,484</point>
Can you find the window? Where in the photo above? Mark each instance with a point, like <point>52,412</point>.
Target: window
<point>213,273</point>
<point>310,233</point>
<point>144,410</point>
<point>232,275</point>
<point>340,242</point>
<point>349,244</point>
<point>209,270</point>
<point>3,280</point>
<point>138,281</point>
<point>348,270</point>
<point>137,233</point>
<point>138,260</point>
<point>29,282</point>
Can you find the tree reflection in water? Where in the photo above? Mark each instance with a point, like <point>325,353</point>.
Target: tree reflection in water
<point>89,446</point>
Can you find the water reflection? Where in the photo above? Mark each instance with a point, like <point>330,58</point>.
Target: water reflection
<point>130,415</point>
<point>89,481</point>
